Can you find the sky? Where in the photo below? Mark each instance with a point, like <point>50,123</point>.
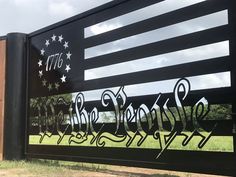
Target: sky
<point>30,15</point>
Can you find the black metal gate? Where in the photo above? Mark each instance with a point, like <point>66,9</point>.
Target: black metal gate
<point>137,83</point>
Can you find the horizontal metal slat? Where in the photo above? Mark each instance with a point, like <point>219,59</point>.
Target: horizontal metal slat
<point>187,13</point>
<point>119,7</point>
<point>180,43</point>
<point>166,73</point>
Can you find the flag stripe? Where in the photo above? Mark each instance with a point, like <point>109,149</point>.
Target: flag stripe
<point>172,31</point>
<point>125,59</point>
<point>160,61</point>
<point>166,73</point>
<point>201,82</point>
<point>185,14</point>
<point>206,37</point>
<point>135,16</point>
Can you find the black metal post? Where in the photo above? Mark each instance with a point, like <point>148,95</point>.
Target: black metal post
<point>15,95</point>
<point>232,23</point>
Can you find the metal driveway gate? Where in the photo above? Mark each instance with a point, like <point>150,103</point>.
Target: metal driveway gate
<point>137,83</point>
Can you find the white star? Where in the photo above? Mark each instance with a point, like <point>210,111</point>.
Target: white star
<point>68,68</point>
<point>63,78</point>
<point>42,51</point>
<point>47,43</point>
<point>60,38</point>
<point>44,83</point>
<point>40,63</point>
<point>49,87</point>
<point>57,85</point>
<point>40,73</point>
<point>66,45</point>
<point>54,37</point>
<point>68,55</point>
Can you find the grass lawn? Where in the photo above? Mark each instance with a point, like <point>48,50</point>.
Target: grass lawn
<point>215,143</point>
<point>50,168</point>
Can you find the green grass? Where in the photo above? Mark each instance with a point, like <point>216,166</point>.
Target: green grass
<point>46,168</point>
<point>51,168</point>
<point>215,143</point>
<point>32,168</point>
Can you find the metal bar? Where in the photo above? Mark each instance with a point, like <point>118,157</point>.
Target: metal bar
<point>232,23</point>
<point>179,43</point>
<point>191,161</point>
<point>177,16</point>
<point>171,72</point>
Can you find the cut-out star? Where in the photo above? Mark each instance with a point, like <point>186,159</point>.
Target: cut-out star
<point>40,63</point>
<point>68,55</point>
<point>40,73</point>
<point>60,38</point>
<point>47,43</point>
<point>68,68</point>
<point>53,37</point>
<point>44,83</point>
<point>49,87</point>
<point>63,78</point>
<point>66,44</point>
<point>42,51</point>
<point>57,85</point>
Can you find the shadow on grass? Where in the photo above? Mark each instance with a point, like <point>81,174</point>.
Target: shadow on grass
<point>94,168</point>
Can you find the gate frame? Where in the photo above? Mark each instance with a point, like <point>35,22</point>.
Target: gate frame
<point>18,57</point>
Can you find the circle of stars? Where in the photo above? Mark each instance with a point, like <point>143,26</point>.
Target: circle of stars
<point>63,79</point>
